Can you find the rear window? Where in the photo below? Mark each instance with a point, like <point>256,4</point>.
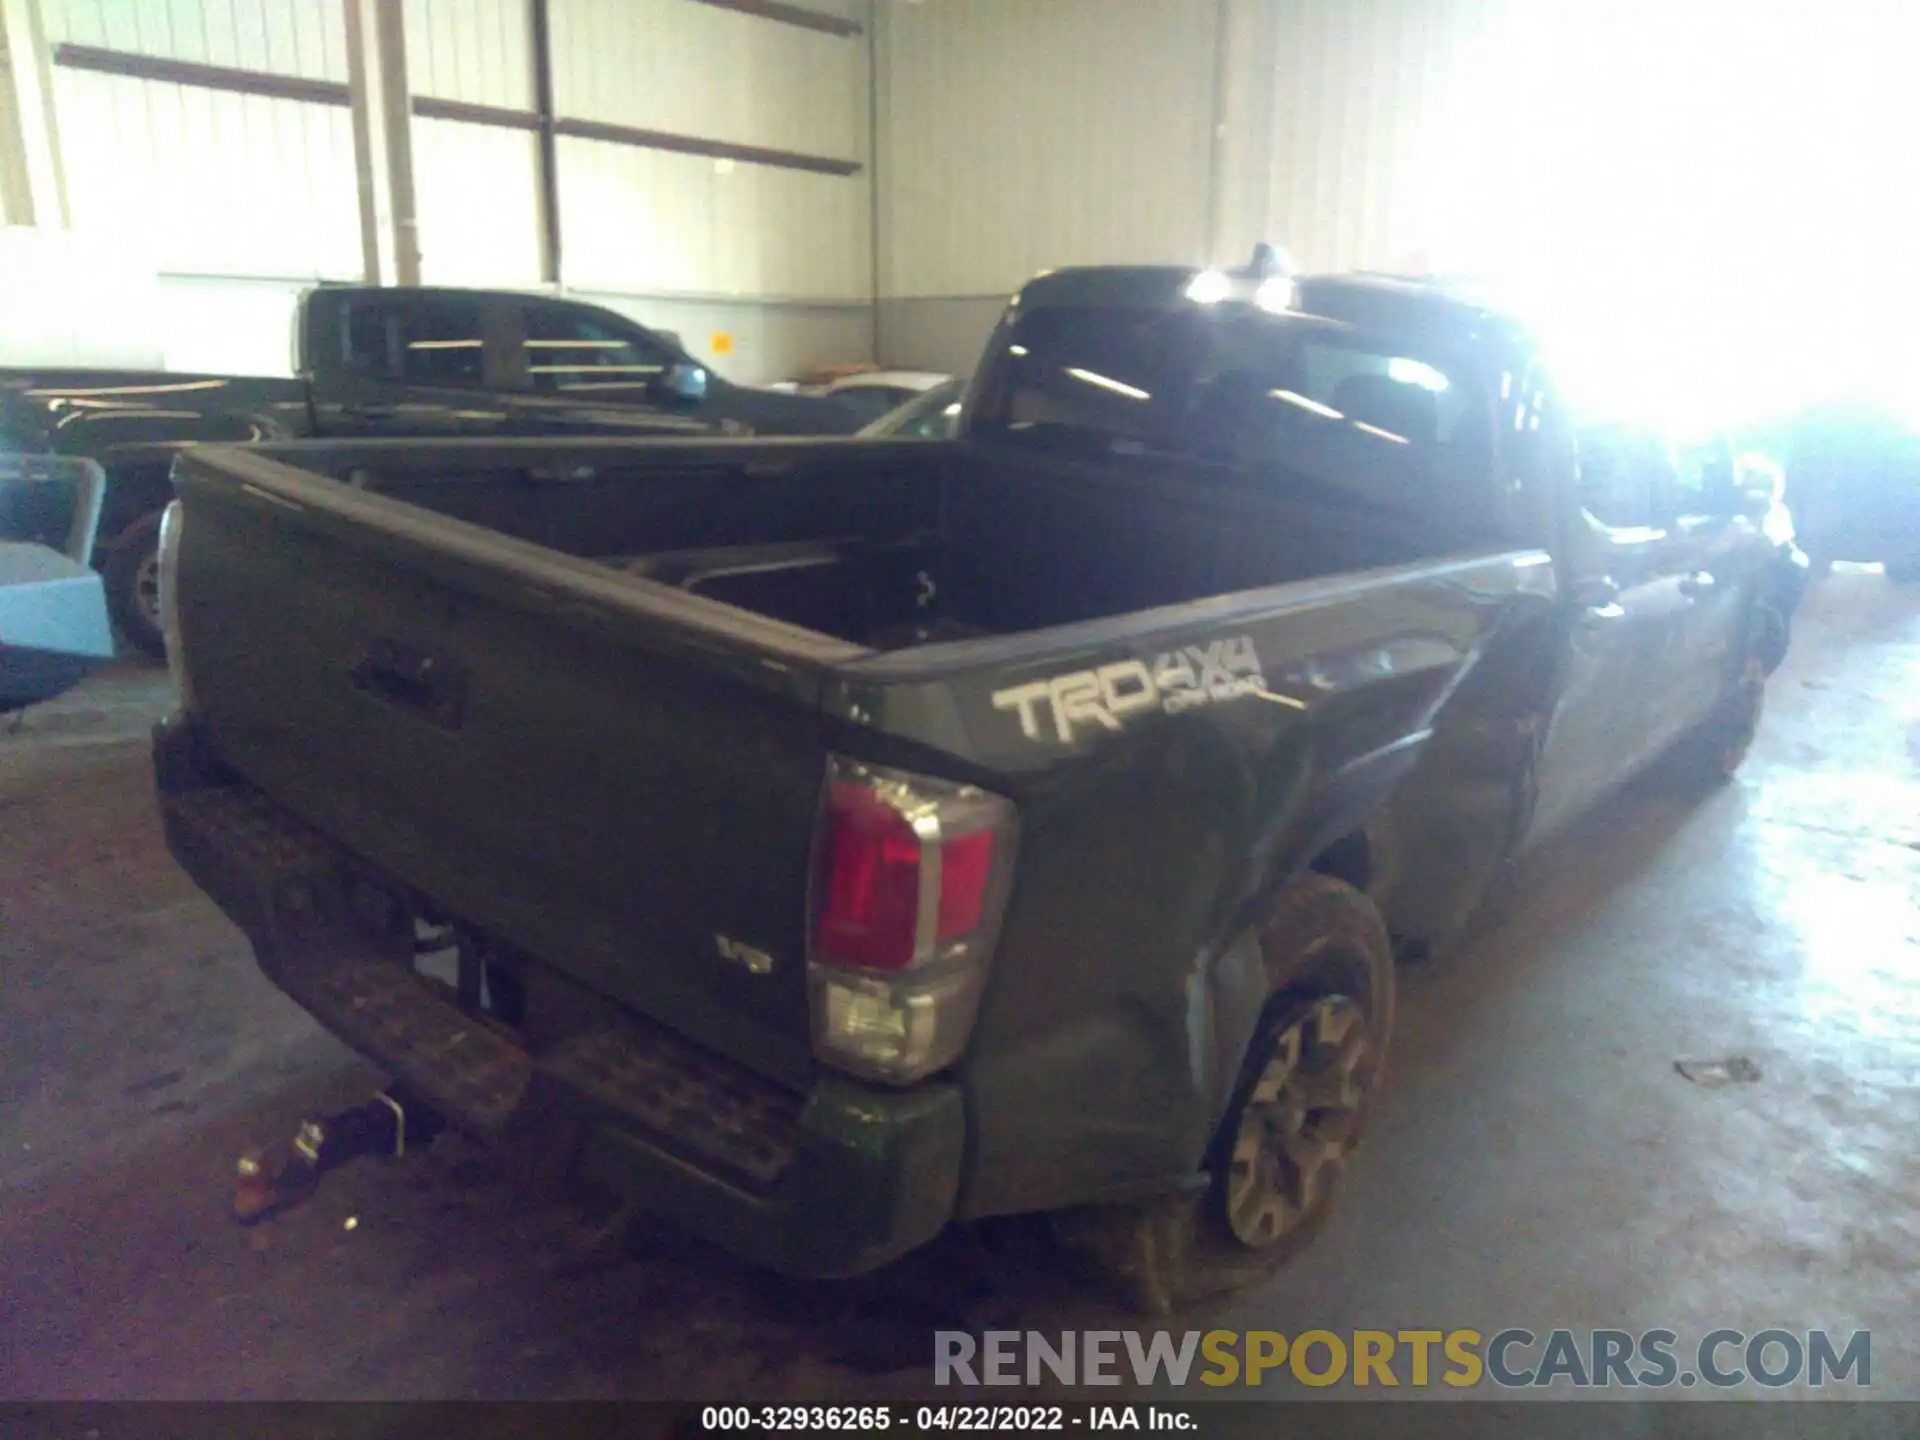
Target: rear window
<point>1281,401</point>
<point>416,341</point>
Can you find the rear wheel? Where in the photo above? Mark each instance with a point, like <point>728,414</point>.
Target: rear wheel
<point>132,578</point>
<point>1306,1087</point>
<point>1714,753</point>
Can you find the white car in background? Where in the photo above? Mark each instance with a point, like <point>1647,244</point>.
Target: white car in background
<point>876,392</point>
<point>933,414</point>
<point>867,392</point>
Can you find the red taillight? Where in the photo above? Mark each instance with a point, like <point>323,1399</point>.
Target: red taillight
<point>912,874</point>
<point>877,872</point>
<point>965,866</point>
<point>869,913</point>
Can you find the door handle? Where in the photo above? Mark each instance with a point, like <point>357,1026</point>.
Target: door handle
<point>371,412</point>
<point>433,686</point>
<point>1701,582</point>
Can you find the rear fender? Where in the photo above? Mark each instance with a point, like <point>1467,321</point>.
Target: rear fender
<point>1121,992</point>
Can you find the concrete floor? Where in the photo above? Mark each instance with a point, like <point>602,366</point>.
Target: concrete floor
<point>1538,1162</point>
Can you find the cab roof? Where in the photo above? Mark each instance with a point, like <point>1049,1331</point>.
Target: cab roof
<point>1416,307</point>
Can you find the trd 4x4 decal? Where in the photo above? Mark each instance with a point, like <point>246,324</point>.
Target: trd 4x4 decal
<point>1178,680</point>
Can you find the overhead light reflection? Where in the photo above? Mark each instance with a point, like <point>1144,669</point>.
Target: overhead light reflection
<point>1276,293</point>
<point>1383,434</point>
<point>1418,372</point>
<point>1105,382</point>
<point>1209,287</point>
<point>134,389</point>
<point>1313,407</point>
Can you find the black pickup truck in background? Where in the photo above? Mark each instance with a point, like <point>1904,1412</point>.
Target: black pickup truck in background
<point>374,363</point>
<point>834,840</point>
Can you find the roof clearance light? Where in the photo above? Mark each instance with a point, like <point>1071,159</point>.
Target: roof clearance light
<point>1275,293</point>
<point>1209,287</point>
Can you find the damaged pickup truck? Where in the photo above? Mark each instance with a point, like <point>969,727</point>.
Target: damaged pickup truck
<point>828,841</point>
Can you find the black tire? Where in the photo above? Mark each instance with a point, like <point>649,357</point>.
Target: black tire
<point>1713,754</point>
<point>1278,1162</point>
<point>132,577</point>
<point>1772,636</point>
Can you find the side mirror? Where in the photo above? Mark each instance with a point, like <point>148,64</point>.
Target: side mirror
<point>1758,485</point>
<point>684,381</point>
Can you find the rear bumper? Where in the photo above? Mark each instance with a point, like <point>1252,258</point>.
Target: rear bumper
<point>832,1182</point>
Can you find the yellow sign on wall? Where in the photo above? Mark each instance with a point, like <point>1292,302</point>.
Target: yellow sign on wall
<point>722,342</point>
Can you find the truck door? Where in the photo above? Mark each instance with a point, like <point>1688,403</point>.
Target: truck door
<point>1626,607</point>
<point>414,363</point>
<point>578,373</point>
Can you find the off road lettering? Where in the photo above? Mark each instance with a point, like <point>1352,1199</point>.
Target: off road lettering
<point>1065,705</point>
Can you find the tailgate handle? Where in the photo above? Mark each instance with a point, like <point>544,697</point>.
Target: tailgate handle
<point>431,685</point>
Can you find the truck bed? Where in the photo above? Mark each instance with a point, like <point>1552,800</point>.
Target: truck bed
<point>886,546</point>
<point>579,699</point>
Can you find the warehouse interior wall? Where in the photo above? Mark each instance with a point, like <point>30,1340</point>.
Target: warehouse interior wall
<point>1018,136</point>
<point>1709,201</point>
<point>16,205</point>
<point>232,201</point>
<point>875,180</point>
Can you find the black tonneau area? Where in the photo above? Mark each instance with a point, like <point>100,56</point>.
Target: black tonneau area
<point>884,545</point>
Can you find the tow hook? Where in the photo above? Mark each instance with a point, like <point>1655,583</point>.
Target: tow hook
<point>389,1125</point>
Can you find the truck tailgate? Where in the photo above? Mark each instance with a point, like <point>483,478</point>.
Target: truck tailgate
<point>485,721</point>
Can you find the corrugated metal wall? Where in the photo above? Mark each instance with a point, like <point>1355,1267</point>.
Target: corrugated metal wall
<point>1023,134</point>
<point>236,200</point>
<point>15,204</point>
<point>1365,100</point>
<point>475,186</point>
<point>652,221</point>
<point>206,181</point>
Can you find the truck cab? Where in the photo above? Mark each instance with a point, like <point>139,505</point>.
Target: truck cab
<point>373,363</point>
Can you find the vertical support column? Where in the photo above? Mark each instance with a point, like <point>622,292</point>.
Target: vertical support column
<point>33,185</point>
<point>540,33</point>
<point>383,140</point>
<point>876,231</point>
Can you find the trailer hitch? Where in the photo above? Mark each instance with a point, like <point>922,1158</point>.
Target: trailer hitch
<point>386,1126</point>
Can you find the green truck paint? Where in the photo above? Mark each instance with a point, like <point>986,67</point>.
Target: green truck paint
<point>1207,621</point>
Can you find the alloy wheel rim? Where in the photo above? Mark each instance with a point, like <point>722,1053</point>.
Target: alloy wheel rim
<point>1298,1122</point>
<point>146,588</point>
